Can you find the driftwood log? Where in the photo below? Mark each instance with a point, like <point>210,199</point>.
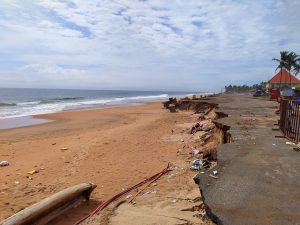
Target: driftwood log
<point>51,207</point>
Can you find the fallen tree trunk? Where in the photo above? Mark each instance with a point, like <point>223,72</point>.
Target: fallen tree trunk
<point>51,207</point>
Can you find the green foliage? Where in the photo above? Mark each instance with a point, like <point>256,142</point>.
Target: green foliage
<point>244,88</point>
<point>289,61</point>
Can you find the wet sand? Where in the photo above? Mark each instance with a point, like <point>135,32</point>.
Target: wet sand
<point>114,148</point>
<point>23,121</point>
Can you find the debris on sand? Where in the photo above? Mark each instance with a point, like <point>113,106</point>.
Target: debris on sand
<point>195,128</point>
<point>171,175</point>
<point>215,177</point>
<point>4,163</point>
<point>64,149</point>
<point>32,172</point>
<point>197,164</point>
<point>289,143</point>
<point>168,103</point>
<point>172,108</point>
<point>195,151</point>
<point>297,148</point>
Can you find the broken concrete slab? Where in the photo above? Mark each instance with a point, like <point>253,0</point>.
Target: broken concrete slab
<point>258,183</point>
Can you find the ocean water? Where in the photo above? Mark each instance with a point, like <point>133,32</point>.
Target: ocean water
<point>18,102</point>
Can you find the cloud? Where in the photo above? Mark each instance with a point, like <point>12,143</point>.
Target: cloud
<point>51,70</point>
<point>167,45</point>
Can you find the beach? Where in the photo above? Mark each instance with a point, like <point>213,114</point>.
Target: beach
<point>116,148</point>
<point>113,148</point>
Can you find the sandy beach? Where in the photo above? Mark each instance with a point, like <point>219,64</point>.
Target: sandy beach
<point>113,148</point>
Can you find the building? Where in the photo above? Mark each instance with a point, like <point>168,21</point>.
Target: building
<point>283,79</point>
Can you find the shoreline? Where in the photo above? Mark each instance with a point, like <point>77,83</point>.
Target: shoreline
<point>38,119</point>
<point>12,104</point>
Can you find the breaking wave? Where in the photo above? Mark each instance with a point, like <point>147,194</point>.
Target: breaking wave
<point>27,108</point>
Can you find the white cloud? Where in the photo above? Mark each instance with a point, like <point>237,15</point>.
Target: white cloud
<point>49,69</point>
<point>145,44</point>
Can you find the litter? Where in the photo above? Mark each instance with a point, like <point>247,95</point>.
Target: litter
<point>173,167</point>
<point>297,147</point>
<point>171,175</point>
<point>215,172</point>
<point>63,149</point>
<point>128,196</point>
<point>290,143</point>
<point>32,172</point>
<point>197,164</point>
<point>213,176</point>
<point>182,140</point>
<point>195,151</point>
<point>4,163</point>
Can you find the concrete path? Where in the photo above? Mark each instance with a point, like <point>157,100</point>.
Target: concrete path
<point>259,175</point>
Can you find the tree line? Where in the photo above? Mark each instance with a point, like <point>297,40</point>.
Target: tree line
<point>243,88</point>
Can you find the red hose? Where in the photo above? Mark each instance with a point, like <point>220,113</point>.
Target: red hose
<point>102,205</point>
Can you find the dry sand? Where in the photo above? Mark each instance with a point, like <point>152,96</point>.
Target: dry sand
<point>113,148</point>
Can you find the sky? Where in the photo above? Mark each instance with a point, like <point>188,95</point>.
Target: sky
<point>168,45</point>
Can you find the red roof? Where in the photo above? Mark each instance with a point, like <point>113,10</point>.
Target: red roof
<point>284,77</point>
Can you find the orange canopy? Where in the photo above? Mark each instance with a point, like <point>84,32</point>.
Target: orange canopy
<point>284,77</point>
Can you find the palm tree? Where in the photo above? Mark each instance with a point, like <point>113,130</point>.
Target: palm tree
<point>294,61</point>
<point>282,64</point>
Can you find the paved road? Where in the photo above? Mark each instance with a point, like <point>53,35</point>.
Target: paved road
<point>259,175</point>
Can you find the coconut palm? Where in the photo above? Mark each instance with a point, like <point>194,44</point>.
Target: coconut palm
<point>283,63</point>
<point>294,61</point>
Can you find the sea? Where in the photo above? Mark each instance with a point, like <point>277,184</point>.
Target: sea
<point>20,102</point>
